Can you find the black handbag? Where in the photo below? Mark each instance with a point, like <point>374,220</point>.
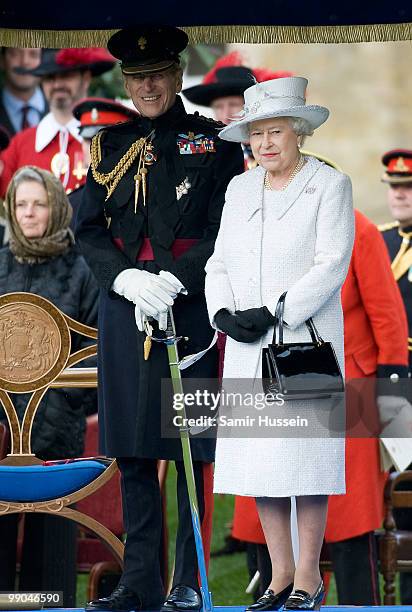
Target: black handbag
<point>299,370</point>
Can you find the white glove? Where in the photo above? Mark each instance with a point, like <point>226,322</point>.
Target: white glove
<point>149,291</point>
<point>140,318</point>
<point>171,278</point>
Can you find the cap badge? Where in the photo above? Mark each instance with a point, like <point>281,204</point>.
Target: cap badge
<point>94,115</point>
<point>142,43</point>
<point>400,165</point>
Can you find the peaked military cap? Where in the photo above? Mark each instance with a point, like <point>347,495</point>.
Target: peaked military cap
<point>398,164</point>
<point>96,113</point>
<point>148,48</point>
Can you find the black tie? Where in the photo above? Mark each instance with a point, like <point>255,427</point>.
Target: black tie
<point>24,117</point>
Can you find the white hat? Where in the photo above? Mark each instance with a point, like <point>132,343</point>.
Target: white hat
<point>277,98</point>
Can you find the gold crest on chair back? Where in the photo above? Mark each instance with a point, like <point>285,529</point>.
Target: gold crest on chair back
<point>35,355</point>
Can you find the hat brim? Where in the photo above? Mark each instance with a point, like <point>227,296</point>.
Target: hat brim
<point>238,131</point>
<point>395,179</point>
<point>205,94</point>
<point>146,68</point>
<point>96,68</point>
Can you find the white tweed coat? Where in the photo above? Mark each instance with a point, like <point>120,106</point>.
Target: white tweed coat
<point>304,249</point>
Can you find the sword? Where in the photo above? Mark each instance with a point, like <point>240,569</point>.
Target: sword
<point>171,341</point>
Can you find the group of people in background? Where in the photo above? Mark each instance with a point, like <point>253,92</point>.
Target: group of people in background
<point>47,124</point>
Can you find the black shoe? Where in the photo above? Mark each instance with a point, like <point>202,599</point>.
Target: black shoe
<point>182,598</point>
<point>271,600</point>
<point>122,599</point>
<point>301,600</point>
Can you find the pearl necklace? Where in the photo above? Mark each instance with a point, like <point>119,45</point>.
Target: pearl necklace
<point>299,165</point>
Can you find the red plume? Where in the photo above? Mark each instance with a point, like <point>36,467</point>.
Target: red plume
<point>232,59</point>
<point>81,57</point>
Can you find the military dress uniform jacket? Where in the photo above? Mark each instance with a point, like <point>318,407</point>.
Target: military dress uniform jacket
<point>110,234</point>
<point>393,240</point>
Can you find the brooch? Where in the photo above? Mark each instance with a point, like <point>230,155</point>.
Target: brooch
<point>191,144</point>
<point>183,188</point>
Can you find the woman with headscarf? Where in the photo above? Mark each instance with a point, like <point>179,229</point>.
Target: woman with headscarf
<point>287,226</point>
<point>41,259</point>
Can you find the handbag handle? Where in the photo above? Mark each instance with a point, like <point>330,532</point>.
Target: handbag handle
<point>278,329</point>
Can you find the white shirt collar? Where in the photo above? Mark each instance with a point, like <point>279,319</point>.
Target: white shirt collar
<point>49,127</point>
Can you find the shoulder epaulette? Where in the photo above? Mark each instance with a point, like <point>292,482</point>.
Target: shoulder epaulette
<point>383,227</point>
<point>118,127</point>
<point>207,121</point>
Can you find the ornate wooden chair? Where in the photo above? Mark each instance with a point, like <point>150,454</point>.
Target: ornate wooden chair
<point>35,355</point>
<point>4,440</point>
<point>395,545</point>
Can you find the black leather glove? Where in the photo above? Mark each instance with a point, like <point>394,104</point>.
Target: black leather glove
<point>233,327</point>
<point>260,319</point>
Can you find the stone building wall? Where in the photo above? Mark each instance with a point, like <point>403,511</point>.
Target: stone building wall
<point>368,89</point>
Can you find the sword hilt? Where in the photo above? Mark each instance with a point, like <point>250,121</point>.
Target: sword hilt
<point>170,329</point>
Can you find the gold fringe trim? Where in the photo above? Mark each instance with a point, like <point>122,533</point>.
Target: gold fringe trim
<point>219,34</point>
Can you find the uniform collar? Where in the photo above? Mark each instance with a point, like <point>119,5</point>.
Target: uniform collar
<point>170,117</point>
<point>49,127</point>
<point>405,230</point>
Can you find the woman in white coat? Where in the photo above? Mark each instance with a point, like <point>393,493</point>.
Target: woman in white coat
<point>287,225</point>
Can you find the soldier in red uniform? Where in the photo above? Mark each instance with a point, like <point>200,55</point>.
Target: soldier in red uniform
<point>55,143</point>
<point>375,346</point>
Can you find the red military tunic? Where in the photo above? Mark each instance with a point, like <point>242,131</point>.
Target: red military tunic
<point>375,334</point>
<point>38,146</point>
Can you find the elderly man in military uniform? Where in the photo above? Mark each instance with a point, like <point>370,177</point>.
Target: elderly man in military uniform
<point>398,237</point>
<point>147,224</point>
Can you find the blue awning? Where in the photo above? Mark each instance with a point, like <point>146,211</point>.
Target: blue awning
<point>79,23</point>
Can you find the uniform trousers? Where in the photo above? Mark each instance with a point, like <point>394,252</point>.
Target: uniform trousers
<point>142,515</point>
<point>355,565</point>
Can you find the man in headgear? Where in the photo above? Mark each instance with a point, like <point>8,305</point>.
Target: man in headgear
<point>55,143</point>
<point>146,225</point>
<point>222,90</point>
<point>398,235</point>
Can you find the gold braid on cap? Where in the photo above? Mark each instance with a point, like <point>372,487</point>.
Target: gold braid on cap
<point>111,179</point>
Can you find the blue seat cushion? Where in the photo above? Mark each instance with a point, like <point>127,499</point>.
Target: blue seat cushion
<point>29,483</point>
